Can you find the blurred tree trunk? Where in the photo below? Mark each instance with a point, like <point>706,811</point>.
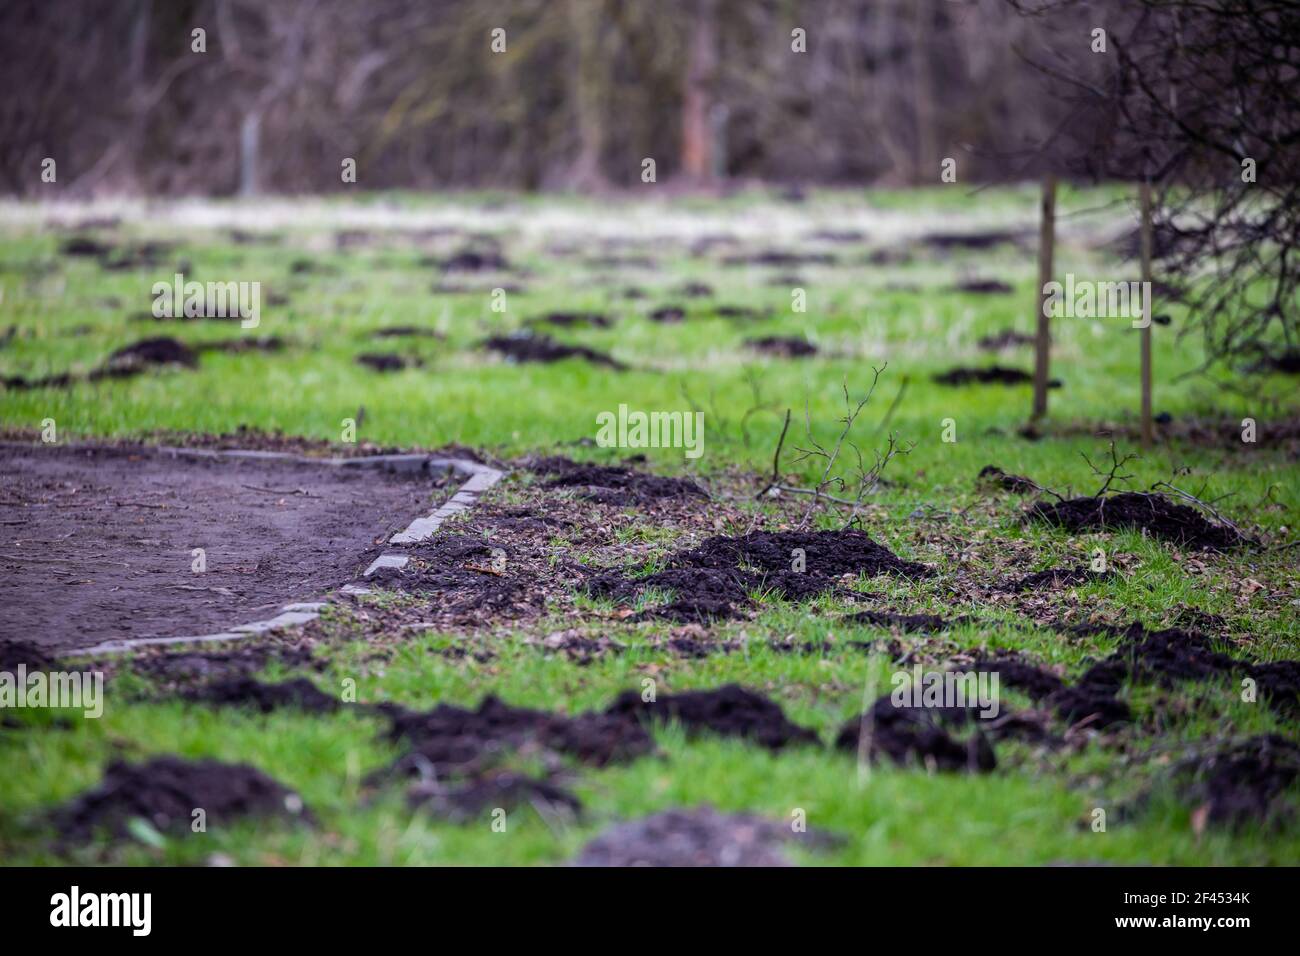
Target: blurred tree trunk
<point>585,20</point>
<point>927,164</point>
<point>697,158</point>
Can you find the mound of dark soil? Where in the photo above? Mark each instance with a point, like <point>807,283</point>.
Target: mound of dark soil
<point>781,258</point>
<point>993,375</point>
<point>296,694</point>
<point>1018,484</point>
<point>1246,783</point>
<point>1006,339</point>
<point>469,590</point>
<point>126,362</point>
<point>527,347</point>
<point>968,240</point>
<point>194,666</point>
<point>785,346</point>
<point>915,736</point>
<point>475,260</point>
<point>1166,657</point>
<point>505,791</point>
<point>714,580</point>
<point>610,484</point>
<point>1172,655</point>
<point>738,312</point>
<point>454,740</point>
<point>14,654</point>
<point>386,361</point>
<point>699,837</point>
<point>305,267</point>
<point>1288,363</point>
<point>729,711</point>
<point>695,290</point>
<point>1014,672</point>
<point>161,350</point>
<point>117,258</point>
<point>983,287</point>
<point>1057,578</point>
<point>84,247</point>
<point>668,313</point>
<point>907,623</point>
<point>1152,514</point>
<point>265,343</point>
<point>566,320</point>
<point>165,791</point>
<point>405,331</point>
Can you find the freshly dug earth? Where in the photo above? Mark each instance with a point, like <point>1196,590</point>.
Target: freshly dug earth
<point>459,570</point>
<point>1153,514</point>
<point>97,542</point>
<point>914,736</point>
<point>785,346</point>
<point>297,694</point>
<point>613,485</point>
<point>1056,578</point>
<point>1006,339</point>
<point>527,347</point>
<point>193,666</point>
<point>907,623</point>
<point>983,287</point>
<point>715,579</point>
<point>565,320</point>
<point>1242,784</point>
<point>387,361</point>
<point>1168,656</point>
<point>165,792</point>
<point>15,654</point>
<point>504,790</point>
<point>993,375</point>
<point>1143,656</point>
<point>127,362</point>
<point>1019,484</point>
<point>729,711</point>
<point>698,837</point>
<point>450,740</point>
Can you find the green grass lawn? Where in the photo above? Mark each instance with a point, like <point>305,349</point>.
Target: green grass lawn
<point>68,314</point>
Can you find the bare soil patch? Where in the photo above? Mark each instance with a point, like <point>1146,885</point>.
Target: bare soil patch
<point>98,541</point>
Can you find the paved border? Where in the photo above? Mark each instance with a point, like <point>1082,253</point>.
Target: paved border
<point>477,479</point>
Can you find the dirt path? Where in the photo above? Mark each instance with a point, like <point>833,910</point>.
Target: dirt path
<point>97,544</point>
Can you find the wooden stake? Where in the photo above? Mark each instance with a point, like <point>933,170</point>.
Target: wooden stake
<point>1144,194</point>
<point>1043,341</point>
